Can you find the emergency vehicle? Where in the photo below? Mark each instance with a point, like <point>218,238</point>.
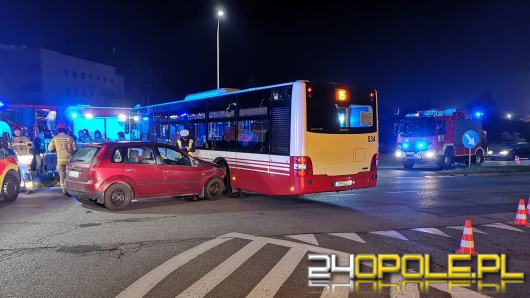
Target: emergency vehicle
<point>435,137</point>
<point>9,177</point>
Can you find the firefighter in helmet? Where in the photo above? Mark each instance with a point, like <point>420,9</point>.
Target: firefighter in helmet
<point>185,142</point>
<point>64,145</point>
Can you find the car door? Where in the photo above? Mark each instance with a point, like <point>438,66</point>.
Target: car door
<point>181,176</point>
<point>144,172</point>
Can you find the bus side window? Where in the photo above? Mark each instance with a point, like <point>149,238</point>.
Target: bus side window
<point>221,123</point>
<point>253,122</point>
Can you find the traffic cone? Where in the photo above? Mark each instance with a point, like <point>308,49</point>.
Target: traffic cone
<point>528,209</point>
<point>467,244</point>
<point>520,217</point>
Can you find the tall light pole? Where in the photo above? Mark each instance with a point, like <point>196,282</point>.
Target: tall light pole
<point>220,14</point>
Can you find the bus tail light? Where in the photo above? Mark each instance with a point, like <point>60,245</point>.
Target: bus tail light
<point>302,166</point>
<point>375,162</point>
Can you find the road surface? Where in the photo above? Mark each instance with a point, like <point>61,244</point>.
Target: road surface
<point>53,246</point>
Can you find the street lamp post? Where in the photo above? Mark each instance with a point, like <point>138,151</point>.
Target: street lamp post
<point>220,14</point>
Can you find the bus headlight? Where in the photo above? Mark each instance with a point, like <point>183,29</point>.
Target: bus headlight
<point>430,154</point>
<point>399,153</point>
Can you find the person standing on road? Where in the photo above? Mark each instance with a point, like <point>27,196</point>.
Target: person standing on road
<point>38,152</point>
<point>185,142</point>
<point>64,146</point>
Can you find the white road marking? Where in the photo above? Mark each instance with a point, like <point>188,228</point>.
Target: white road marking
<point>391,233</point>
<point>503,226</point>
<point>309,238</point>
<point>143,285</point>
<point>461,228</point>
<point>340,287</point>
<point>424,190</point>
<point>403,191</point>
<point>209,281</point>
<point>271,283</point>
<point>432,231</point>
<point>350,236</point>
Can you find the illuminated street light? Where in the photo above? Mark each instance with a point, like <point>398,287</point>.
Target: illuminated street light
<point>220,14</point>
<point>509,116</point>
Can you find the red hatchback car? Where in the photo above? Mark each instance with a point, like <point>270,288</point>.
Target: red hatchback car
<point>114,174</point>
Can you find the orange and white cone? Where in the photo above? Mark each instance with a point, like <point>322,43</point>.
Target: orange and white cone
<point>467,244</point>
<point>528,208</point>
<point>520,217</point>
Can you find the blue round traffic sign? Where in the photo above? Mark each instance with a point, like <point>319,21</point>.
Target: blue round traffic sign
<point>470,139</point>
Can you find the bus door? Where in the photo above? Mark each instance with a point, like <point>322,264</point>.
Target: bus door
<point>253,134</point>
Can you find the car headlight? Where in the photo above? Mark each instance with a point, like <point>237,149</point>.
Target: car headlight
<point>430,154</point>
<point>25,159</point>
<point>399,153</point>
<point>490,152</point>
<point>504,152</point>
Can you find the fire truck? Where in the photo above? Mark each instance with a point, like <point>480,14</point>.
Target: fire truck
<point>435,137</point>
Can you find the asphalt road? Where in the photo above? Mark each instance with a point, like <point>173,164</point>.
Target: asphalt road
<point>53,246</point>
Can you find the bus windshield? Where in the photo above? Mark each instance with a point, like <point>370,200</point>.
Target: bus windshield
<point>335,109</point>
<point>420,127</point>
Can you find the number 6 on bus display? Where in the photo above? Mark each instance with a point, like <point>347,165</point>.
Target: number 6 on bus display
<point>294,138</point>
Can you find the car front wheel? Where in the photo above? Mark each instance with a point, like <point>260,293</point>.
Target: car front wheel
<point>118,196</point>
<point>213,189</point>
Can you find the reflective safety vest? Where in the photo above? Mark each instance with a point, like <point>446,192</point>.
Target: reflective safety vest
<point>186,145</point>
<point>65,147</point>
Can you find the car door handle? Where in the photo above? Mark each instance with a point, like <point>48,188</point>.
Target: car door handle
<point>130,170</point>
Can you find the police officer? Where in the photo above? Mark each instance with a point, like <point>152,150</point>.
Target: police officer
<point>65,147</point>
<point>185,142</point>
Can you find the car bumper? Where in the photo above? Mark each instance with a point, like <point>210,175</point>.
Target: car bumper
<point>83,190</point>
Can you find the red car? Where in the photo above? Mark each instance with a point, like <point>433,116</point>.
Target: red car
<point>114,174</point>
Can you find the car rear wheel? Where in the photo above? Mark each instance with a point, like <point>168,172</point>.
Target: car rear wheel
<point>10,187</point>
<point>213,189</point>
<point>118,196</point>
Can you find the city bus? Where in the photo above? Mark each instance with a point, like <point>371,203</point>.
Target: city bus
<point>294,138</point>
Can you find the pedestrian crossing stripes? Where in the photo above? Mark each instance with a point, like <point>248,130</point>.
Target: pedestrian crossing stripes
<point>271,282</point>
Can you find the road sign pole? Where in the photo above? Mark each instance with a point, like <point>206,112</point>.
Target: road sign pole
<point>469,161</point>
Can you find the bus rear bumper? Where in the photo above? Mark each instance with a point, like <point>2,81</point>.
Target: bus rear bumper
<point>325,183</point>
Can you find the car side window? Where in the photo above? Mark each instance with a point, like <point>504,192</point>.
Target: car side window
<point>140,155</point>
<point>173,157</point>
<point>116,156</point>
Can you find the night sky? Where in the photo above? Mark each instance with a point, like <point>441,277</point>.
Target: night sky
<point>415,53</point>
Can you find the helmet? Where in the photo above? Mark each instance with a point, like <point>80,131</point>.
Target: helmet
<point>184,132</point>
<point>61,126</point>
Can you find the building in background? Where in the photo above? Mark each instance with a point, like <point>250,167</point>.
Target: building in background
<point>42,76</point>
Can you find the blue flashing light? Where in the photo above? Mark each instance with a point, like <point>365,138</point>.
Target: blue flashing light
<point>145,118</point>
<point>405,146</point>
<point>479,114</point>
<point>2,104</point>
<point>74,115</point>
<point>421,145</point>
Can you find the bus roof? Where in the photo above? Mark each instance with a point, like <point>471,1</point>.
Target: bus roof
<point>218,92</point>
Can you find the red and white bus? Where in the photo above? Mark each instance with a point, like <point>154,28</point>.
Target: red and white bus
<point>294,138</point>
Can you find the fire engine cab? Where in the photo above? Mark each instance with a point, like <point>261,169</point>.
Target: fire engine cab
<point>435,137</point>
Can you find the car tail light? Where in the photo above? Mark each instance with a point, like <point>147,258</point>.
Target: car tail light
<point>302,166</point>
<point>375,162</point>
